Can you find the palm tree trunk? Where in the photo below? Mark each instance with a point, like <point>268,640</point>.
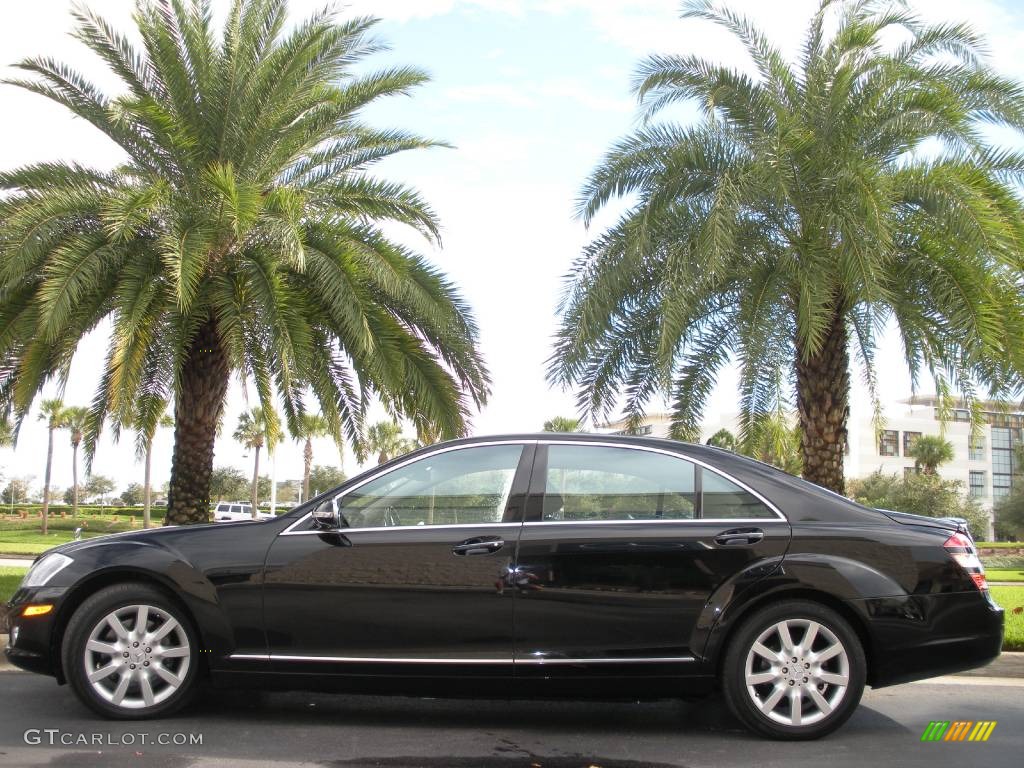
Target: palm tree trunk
<point>46,482</point>
<point>307,456</point>
<point>197,411</point>
<point>74,479</point>
<point>823,400</point>
<point>255,481</point>
<point>147,492</point>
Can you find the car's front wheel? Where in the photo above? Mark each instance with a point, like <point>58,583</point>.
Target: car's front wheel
<point>794,670</point>
<point>130,652</point>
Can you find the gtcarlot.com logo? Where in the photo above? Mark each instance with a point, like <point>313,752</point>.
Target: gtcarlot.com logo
<point>958,730</point>
<point>54,737</point>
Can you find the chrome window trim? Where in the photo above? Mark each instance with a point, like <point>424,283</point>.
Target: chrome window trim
<point>289,532</point>
<point>426,660</point>
<point>675,455</point>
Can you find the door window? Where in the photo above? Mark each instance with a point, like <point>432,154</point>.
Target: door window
<point>600,483</point>
<point>589,482</point>
<point>464,486</point>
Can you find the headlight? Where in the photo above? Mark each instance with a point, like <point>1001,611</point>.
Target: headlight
<point>45,569</point>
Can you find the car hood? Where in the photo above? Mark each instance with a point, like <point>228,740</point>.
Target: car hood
<point>951,524</point>
<point>142,535</point>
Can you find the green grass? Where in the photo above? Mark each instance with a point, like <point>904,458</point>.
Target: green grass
<point>1001,574</point>
<point>1000,544</point>
<point>1012,600</point>
<point>9,580</point>
<point>22,537</point>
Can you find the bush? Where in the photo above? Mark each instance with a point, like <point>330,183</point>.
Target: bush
<point>1010,516</point>
<point>920,494</point>
<point>83,510</point>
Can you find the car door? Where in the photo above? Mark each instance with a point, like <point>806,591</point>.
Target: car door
<point>621,549</point>
<point>412,586</point>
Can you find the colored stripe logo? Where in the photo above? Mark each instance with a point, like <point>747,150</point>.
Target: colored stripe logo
<point>958,730</point>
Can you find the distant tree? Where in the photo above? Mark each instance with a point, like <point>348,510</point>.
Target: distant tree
<point>323,478</point>
<point>226,483</point>
<point>930,452</point>
<point>74,419</point>
<point>52,412</point>
<point>288,491</point>
<point>98,487</point>
<point>308,427</point>
<point>69,495</point>
<point>256,428</point>
<point>263,486</point>
<point>920,494</point>
<point>563,424</point>
<point>385,439</point>
<point>16,491</point>
<point>1009,516</point>
<point>133,494</point>
<point>723,438</point>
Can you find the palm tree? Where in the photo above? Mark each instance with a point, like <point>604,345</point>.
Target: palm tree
<point>385,439</point>
<point>152,415</point>
<point>7,434</point>
<point>808,207</point>
<point>52,412</point>
<point>75,419</point>
<point>773,438</point>
<point>311,425</point>
<point>930,452</point>
<point>563,424</point>
<point>256,429</point>
<point>242,234</point>
<point>724,439</point>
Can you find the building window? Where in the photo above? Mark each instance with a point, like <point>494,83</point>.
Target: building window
<point>909,438</point>
<point>1003,464</point>
<point>977,484</point>
<point>889,444</point>
<point>977,448</point>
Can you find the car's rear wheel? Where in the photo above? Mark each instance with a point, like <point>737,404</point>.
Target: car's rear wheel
<point>794,670</point>
<point>130,652</point>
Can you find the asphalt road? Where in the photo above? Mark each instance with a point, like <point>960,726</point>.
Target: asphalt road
<point>352,732</point>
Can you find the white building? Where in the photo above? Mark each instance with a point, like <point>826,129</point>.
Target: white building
<point>984,466</point>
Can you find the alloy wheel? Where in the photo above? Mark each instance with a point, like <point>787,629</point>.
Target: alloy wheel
<point>137,656</point>
<point>797,672</point>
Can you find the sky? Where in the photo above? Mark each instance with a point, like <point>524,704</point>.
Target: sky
<point>530,93</point>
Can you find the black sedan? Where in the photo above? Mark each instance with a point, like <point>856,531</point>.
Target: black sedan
<point>525,566</point>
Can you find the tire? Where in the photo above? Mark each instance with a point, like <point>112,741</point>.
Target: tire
<point>135,683</point>
<point>766,701</point>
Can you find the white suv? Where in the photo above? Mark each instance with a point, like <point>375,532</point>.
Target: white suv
<point>233,511</point>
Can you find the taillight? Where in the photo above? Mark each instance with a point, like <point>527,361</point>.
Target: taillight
<point>961,549</point>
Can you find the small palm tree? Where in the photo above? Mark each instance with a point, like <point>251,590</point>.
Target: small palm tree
<point>75,418</point>
<point>310,426</point>
<point>52,412</point>
<point>385,439</point>
<point>806,208</point>
<point>774,438</point>
<point>256,428</point>
<point>724,439</point>
<point>563,424</point>
<point>241,235</point>
<point>930,452</point>
<point>152,416</point>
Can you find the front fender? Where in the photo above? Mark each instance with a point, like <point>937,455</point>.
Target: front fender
<point>107,562</point>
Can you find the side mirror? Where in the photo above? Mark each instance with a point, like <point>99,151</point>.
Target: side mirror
<point>327,515</point>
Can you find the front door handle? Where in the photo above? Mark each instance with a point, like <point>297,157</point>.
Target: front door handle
<point>739,537</point>
<point>479,545</point>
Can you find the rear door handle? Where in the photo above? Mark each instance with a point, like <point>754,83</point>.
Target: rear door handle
<point>480,545</point>
<point>739,536</point>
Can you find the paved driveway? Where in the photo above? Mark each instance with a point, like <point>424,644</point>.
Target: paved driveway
<point>352,732</point>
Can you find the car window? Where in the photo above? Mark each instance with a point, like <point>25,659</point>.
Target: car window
<point>722,498</point>
<point>464,486</point>
<point>236,508</point>
<point>601,483</point>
